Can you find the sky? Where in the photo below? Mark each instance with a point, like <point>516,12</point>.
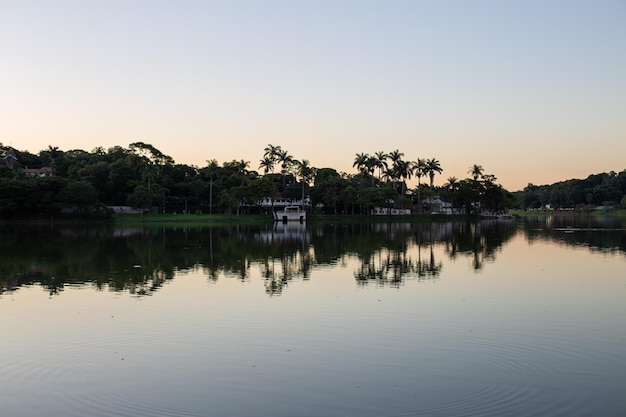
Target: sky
<point>533,91</point>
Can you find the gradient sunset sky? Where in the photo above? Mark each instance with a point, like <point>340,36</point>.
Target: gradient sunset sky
<point>534,91</point>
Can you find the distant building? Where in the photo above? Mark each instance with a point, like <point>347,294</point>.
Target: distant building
<point>10,159</point>
<point>283,202</point>
<point>439,206</point>
<point>38,172</point>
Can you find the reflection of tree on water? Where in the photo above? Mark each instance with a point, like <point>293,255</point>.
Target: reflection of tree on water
<point>430,268</point>
<point>478,240</point>
<point>56,257</point>
<point>597,233</point>
<point>294,258</point>
<point>392,264</point>
<point>141,260</point>
<point>385,267</point>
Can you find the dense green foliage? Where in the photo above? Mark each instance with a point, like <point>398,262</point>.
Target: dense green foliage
<point>596,190</point>
<point>141,176</point>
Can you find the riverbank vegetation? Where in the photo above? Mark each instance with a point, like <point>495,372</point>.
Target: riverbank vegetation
<point>54,183</point>
<point>606,191</point>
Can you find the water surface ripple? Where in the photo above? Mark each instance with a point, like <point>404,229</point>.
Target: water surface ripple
<point>419,320</point>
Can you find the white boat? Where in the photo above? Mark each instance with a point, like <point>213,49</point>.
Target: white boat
<point>290,213</point>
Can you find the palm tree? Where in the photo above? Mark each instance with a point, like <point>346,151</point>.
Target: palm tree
<point>452,185</point>
<point>396,158</point>
<point>476,171</point>
<point>211,168</point>
<point>380,159</point>
<point>388,175</point>
<point>370,167</point>
<point>395,155</point>
<point>361,161</point>
<point>305,171</point>
<point>403,171</point>
<point>272,152</point>
<point>267,163</point>
<point>433,166</point>
<point>419,168</point>
<point>285,161</point>
<point>242,168</point>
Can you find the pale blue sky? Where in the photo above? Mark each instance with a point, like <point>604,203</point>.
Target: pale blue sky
<point>534,91</point>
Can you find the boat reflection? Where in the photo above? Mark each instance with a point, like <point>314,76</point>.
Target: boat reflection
<point>284,231</point>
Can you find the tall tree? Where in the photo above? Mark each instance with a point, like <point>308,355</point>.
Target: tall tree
<point>361,161</point>
<point>306,173</point>
<point>396,169</point>
<point>242,167</point>
<point>211,170</point>
<point>267,164</point>
<point>395,156</point>
<point>403,171</point>
<point>419,169</point>
<point>452,183</point>
<point>272,152</point>
<point>153,154</point>
<point>452,186</point>
<point>380,160</point>
<point>285,161</point>
<point>432,167</point>
<point>476,171</point>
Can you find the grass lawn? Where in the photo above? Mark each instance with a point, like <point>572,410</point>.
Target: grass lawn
<point>534,213</point>
<point>187,219</point>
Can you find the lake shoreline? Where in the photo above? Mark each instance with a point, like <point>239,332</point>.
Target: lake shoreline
<point>227,219</point>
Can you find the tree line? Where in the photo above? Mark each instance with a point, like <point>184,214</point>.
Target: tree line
<point>605,189</point>
<point>143,177</point>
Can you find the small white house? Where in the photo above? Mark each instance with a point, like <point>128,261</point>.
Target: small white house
<point>439,206</point>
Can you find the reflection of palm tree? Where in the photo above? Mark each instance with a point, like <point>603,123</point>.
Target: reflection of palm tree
<point>272,286</point>
<point>431,267</point>
<point>268,271</point>
<point>479,240</point>
<point>434,268</point>
<point>400,265</point>
<point>367,271</point>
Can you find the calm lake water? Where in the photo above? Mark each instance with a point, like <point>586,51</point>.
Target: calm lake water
<point>498,318</point>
